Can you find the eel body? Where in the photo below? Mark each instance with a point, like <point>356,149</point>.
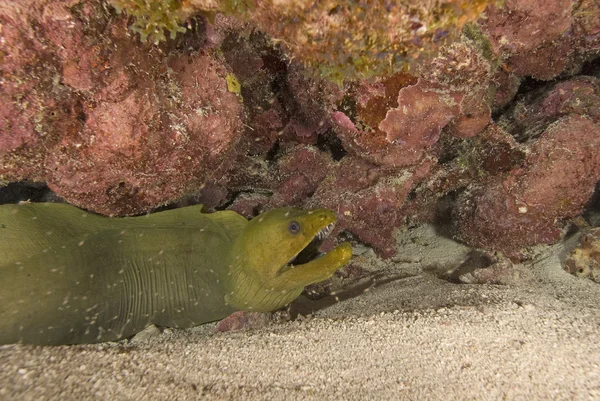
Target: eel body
<point>69,277</point>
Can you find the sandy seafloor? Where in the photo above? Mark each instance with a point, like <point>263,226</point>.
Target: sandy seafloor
<point>412,335</point>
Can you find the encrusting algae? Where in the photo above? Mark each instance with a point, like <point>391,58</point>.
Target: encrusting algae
<point>336,39</point>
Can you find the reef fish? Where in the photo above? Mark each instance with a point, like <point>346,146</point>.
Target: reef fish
<point>70,277</point>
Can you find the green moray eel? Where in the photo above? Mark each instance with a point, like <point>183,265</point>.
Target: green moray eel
<point>71,277</point>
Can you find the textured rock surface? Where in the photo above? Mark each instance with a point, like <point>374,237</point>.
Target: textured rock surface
<point>532,113</point>
<point>544,38</point>
<point>530,205</point>
<point>231,117</point>
<point>111,125</point>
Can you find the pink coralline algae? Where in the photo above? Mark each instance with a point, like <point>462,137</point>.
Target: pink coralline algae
<point>542,38</point>
<point>299,173</point>
<point>361,39</point>
<point>455,94</point>
<point>368,198</point>
<point>110,125</point>
<point>282,104</point>
<point>476,162</point>
<point>364,195</point>
<point>451,93</point>
<point>289,181</point>
<point>530,205</point>
<point>529,116</point>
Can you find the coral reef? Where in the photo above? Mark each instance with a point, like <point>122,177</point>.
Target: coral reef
<point>337,39</point>
<point>397,120</point>
<point>530,205</point>
<point>359,39</point>
<point>299,173</point>
<point>368,198</point>
<point>111,125</point>
<point>542,38</point>
<point>464,162</point>
<point>557,125</point>
<point>533,112</point>
<point>343,39</point>
<point>389,114</point>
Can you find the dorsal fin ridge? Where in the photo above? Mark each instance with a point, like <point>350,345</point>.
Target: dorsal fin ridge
<point>28,229</point>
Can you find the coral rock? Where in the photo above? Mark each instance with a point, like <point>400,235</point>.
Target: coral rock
<point>361,39</point>
<point>530,205</point>
<point>363,136</point>
<point>421,115</point>
<point>299,171</point>
<point>473,161</point>
<point>544,38</point>
<point>111,125</point>
<point>530,115</point>
<point>452,91</point>
<point>368,199</point>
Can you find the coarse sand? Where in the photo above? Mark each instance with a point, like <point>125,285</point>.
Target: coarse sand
<point>400,331</point>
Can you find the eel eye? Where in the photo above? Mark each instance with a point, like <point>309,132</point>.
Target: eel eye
<point>294,227</point>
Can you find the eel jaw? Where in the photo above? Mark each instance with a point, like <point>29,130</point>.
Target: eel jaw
<point>311,251</point>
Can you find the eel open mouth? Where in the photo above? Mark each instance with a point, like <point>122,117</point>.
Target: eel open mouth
<point>310,251</point>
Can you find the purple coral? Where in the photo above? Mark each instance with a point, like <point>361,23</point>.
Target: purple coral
<point>368,199</point>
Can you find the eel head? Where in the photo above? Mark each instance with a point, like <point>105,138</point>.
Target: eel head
<point>277,255</point>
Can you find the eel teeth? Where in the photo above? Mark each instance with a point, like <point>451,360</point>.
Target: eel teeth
<point>325,231</point>
<point>310,252</point>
